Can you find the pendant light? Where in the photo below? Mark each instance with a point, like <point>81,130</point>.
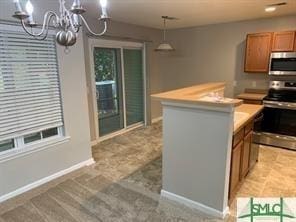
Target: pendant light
<point>165,46</point>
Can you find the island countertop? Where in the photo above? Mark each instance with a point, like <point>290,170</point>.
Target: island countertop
<point>251,109</point>
<point>195,95</point>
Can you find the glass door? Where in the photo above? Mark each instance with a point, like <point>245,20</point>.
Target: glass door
<point>133,86</point>
<point>109,96</point>
<point>119,86</point>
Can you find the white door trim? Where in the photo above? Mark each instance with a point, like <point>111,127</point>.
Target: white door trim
<point>92,43</point>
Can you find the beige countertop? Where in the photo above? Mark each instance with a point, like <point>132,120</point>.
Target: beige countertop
<point>251,110</point>
<point>194,95</point>
<point>251,96</point>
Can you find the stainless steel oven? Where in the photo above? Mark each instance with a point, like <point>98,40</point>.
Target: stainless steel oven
<point>279,121</point>
<point>282,63</point>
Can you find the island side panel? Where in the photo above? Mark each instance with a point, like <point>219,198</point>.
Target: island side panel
<point>196,154</point>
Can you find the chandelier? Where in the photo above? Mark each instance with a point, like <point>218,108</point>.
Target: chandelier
<point>68,22</point>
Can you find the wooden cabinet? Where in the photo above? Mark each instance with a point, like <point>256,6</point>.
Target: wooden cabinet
<point>258,49</point>
<point>256,102</point>
<point>245,166</point>
<point>235,169</point>
<point>283,41</point>
<point>240,158</point>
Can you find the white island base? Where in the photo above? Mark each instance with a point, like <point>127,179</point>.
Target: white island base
<point>197,153</point>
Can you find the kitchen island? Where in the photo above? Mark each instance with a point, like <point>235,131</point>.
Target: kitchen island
<point>198,125</point>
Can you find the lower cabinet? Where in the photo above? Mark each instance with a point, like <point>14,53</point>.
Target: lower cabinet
<point>235,169</point>
<point>245,157</point>
<point>240,158</point>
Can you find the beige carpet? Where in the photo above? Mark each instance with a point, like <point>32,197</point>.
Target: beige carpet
<point>125,182</point>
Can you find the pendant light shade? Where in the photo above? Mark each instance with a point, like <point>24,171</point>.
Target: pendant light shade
<point>165,46</point>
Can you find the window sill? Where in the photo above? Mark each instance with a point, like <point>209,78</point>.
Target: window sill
<point>32,148</point>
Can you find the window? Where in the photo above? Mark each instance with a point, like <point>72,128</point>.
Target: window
<point>30,100</point>
<point>6,145</point>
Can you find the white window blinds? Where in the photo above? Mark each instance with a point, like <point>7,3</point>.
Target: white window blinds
<point>29,85</point>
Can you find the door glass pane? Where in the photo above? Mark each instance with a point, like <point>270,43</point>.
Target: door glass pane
<point>108,89</point>
<point>134,89</point>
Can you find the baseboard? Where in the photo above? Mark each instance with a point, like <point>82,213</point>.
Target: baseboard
<point>195,205</point>
<point>45,180</point>
<point>157,119</point>
<point>94,142</point>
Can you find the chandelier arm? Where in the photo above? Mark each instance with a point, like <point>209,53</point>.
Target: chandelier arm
<point>47,17</point>
<point>38,36</point>
<point>47,29</point>
<point>93,33</point>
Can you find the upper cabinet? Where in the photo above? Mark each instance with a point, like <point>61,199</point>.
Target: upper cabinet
<point>260,45</point>
<point>283,41</point>
<point>258,52</point>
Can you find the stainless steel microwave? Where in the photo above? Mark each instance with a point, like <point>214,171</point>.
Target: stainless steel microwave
<point>282,63</point>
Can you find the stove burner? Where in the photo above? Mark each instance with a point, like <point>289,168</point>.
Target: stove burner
<point>282,92</point>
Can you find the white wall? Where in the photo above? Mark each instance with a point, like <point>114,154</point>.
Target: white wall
<point>27,169</point>
<point>216,53</point>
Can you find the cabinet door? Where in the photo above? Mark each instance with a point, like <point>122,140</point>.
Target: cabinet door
<point>258,52</point>
<point>235,168</point>
<point>245,161</point>
<point>283,41</point>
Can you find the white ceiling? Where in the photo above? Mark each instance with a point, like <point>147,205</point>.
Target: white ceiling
<point>190,12</point>
<point>148,12</point>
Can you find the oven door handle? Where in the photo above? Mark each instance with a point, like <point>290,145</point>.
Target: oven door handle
<point>279,136</point>
<point>259,118</point>
<point>280,105</point>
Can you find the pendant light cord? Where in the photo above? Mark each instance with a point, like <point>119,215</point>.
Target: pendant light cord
<point>164,29</point>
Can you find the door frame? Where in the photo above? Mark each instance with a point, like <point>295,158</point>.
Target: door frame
<point>103,43</point>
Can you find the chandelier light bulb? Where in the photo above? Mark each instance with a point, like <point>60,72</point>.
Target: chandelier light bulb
<point>29,7</point>
<point>17,4</point>
<point>77,2</point>
<point>103,3</point>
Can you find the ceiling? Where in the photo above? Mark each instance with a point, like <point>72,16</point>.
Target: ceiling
<point>190,12</point>
<point>148,12</point>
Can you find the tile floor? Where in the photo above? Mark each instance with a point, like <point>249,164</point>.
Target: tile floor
<point>125,181</point>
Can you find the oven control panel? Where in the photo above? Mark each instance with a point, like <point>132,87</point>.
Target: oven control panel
<point>282,85</point>
<point>290,84</point>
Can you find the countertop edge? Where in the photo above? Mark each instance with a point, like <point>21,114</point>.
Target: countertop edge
<point>234,103</point>
<point>258,108</point>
